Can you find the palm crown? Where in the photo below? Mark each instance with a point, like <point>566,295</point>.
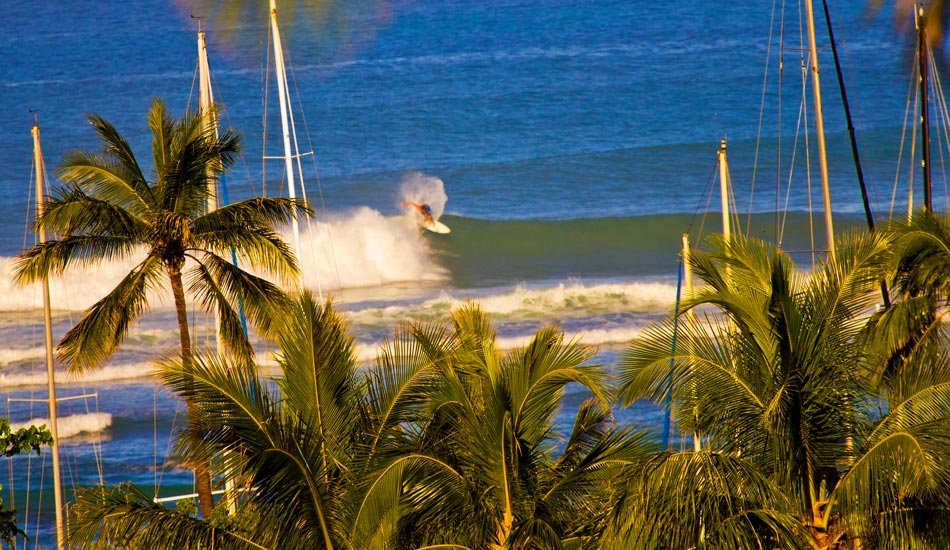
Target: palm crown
<point>110,210</point>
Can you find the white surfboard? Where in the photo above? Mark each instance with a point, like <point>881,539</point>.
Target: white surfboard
<point>436,227</point>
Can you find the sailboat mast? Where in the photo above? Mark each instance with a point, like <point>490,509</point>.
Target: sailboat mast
<point>924,105</point>
<point>820,127</point>
<point>205,108</point>
<point>48,322</point>
<point>724,190</point>
<point>285,127</point>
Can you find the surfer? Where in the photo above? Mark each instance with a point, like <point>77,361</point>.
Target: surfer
<point>423,209</point>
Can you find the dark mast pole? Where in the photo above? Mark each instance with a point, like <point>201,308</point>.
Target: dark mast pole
<point>924,104</point>
<point>854,141</point>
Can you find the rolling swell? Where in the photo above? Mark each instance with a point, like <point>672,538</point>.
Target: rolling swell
<point>481,253</point>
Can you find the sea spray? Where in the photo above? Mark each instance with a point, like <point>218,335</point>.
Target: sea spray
<point>364,248</point>
<point>73,425</point>
<point>420,188</point>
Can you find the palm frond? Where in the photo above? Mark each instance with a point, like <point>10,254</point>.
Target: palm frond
<point>400,386</point>
<point>253,212</point>
<point>220,286</point>
<point>536,376</point>
<point>414,482</point>
<point>319,380</point>
<point>119,154</point>
<point>682,500</point>
<point>124,516</point>
<point>70,211</point>
<point>106,179</point>
<point>55,257</point>
<point>258,248</point>
<point>103,327</point>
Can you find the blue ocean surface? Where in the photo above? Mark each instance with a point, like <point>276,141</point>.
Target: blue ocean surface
<point>568,145</point>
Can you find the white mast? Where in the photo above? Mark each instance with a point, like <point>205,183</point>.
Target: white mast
<point>48,321</point>
<point>281,76</point>
<point>206,108</point>
<point>820,128</point>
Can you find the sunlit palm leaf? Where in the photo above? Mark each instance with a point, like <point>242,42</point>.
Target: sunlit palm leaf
<point>124,516</point>
<point>104,326</point>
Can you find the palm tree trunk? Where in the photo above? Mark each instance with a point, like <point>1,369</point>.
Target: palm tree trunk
<point>202,477</point>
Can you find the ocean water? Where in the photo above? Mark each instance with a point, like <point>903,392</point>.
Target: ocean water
<point>567,144</point>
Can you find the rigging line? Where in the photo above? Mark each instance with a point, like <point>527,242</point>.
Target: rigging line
<point>900,149</point>
<point>913,155</point>
<point>223,110</point>
<point>734,215</point>
<point>940,110</point>
<point>265,101</point>
<point>191,92</point>
<point>303,185</point>
<point>39,498</point>
<point>791,169</point>
<point>669,396</point>
<point>329,248</point>
<point>160,471</point>
<point>155,468</point>
<point>97,434</point>
<point>708,191</point>
<point>847,113</point>
<point>779,231</point>
<point>867,161</point>
<point>811,217</point>
<point>765,82</point>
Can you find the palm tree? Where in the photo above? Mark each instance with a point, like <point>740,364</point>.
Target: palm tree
<point>320,448</point>
<point>775,375</point>
<point>494,421</point>
<point>109,210</point>
<point>385,456</point>
<point>908,367</point>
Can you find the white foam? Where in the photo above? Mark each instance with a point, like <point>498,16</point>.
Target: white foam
<point>363,248</point>
<point>73,425</point>
<point>8,356</point>
<point>366,353</point>
<point>423,189</point>
<point>359,248</point>
<point>577,297</point>
<point>564,300</point>
<point>620,335</point>
<point>109,373</point>
<point>75,290</point>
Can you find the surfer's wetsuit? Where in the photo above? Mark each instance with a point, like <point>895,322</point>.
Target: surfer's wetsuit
<point>423,209</point>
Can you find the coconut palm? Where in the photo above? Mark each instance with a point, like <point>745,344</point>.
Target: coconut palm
<point>335,456</point>
<point>110,210</point>
<point>908,367</point>
<point>493,420</point>
<point>774,374</point>
<point>321,448</point>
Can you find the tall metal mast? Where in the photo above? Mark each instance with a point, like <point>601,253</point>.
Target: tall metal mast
<point>48,323</point>
<point>820,128</point>
<point>281,75</point>
<point>924,105</point>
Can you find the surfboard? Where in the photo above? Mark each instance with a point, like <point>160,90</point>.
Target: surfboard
<point>436,227</point>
